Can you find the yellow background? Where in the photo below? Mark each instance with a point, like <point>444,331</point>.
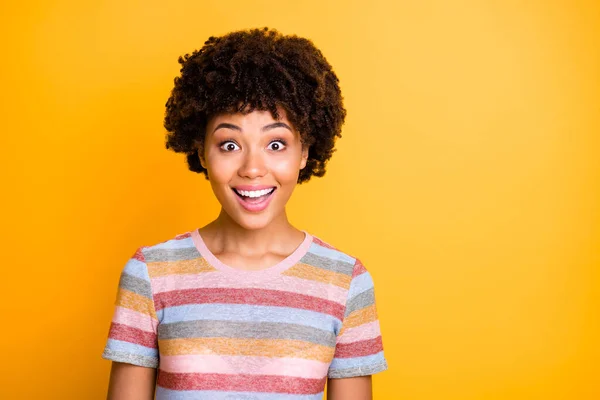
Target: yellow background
<point>467,180</point>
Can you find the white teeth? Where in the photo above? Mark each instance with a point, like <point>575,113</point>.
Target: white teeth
<point>254,193</point>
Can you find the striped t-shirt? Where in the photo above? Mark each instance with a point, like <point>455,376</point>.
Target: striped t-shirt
<point>217,332</point>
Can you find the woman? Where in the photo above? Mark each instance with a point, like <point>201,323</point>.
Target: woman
<point>248,306</point>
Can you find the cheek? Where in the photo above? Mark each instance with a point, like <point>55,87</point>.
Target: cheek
<point>286,170</point>
<point>220,169</point>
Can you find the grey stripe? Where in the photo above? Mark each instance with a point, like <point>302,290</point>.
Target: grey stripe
<point>358,371</point>
<point>359,301</point>
<point>241,329</point>
<point>163,255</point>
<point>339,266</point>
<point>120,356</point>
<point>135,284</point>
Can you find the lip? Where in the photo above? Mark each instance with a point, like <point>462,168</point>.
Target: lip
<point>253,187</point>
<point>254,207</point>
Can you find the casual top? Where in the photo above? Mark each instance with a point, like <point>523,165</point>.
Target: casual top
<point>217,332</point>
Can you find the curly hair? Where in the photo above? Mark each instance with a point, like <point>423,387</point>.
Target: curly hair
<point>256,69</point>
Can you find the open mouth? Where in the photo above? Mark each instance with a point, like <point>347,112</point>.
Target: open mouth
<point>254,196</point>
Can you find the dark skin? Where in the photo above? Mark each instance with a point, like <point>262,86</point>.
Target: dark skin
<point>355,388</point>
<point>254,247</point>
<point>229,73</point>
<point>131,382</point>
<point>263,70</point>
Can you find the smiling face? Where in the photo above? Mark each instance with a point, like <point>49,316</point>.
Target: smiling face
<point>253,162</point>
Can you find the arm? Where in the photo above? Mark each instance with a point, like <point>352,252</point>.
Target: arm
<point>131,382</point>
<point>132,343</point>
<point>359,347</point>
<point>355,388</point>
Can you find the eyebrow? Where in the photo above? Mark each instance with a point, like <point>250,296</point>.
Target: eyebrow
<point>264,128</point>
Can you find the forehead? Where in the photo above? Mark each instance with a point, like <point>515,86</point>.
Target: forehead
<point>256,117</point>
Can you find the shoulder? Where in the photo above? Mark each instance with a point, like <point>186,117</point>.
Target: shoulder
<point>322,248</point>
<point>175,245</point>
<point>161,257</point>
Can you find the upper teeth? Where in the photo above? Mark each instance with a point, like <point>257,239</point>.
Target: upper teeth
<point>254,193</point>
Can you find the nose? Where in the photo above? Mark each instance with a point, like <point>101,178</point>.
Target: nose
<point>253,164</point>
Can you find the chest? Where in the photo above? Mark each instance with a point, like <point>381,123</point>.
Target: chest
<point>260,330</point>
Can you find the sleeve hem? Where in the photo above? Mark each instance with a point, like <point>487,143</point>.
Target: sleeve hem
<point>358,371</point>
<point>119,356</point>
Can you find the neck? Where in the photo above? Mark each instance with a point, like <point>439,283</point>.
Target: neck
<point>226,235</point>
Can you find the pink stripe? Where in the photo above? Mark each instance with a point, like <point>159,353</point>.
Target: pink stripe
<point>132,335</point>
<point>249,275</point>
<point>296,367</point>
<point>358,349</point>
<point>359,269</point>
<point>183,236</point>
<point>323,243</point>
<point>363,332</point>
<point>215,280</point>
<point>248,296</point>
<point>207,364</point>
<point>241,383</point>
<point>134,319</point>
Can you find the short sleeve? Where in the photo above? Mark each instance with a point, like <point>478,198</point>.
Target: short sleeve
<point>359,346</point>
<point>132,337</point>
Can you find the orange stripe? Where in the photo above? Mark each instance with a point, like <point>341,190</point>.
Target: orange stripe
<point>246,347</point>
<point>359,317</point>
<point>162,268</point>
<point>136,302</point>
<point>306,271</point>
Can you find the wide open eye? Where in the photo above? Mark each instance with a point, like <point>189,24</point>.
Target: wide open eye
<point>277,145</point>
<point>228,146</point>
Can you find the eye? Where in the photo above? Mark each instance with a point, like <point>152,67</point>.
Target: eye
<point>277,145</point>
<point>228,146</point>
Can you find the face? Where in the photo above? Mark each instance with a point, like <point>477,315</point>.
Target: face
<point>253,162</point>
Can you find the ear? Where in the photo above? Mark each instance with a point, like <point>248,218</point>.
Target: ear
<point>200,149</point>
<point>304,157</point>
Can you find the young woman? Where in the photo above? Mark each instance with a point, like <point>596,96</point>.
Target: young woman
<point>248,306</point>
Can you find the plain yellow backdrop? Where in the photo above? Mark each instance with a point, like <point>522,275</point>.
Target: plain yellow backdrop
<point>467,180</point>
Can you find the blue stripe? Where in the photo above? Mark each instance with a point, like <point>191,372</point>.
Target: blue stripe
<point>365,361</point>
<point>330,253</point>
<point>168,394</point>
<point>360,283</point>
<point>174,244</point>
<point>131,348</point>
<point>249,313</point>
<point>135,267</point>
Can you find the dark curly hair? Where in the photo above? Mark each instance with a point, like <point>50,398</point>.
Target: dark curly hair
<point>256,69</point>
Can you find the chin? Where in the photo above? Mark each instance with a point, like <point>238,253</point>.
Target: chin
<point>252,222</point>
<point>249,221</point>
